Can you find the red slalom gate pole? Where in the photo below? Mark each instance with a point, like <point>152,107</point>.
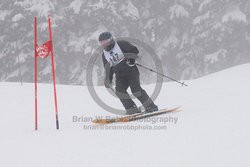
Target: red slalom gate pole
<point>53,74</point>
<point>35,72</point>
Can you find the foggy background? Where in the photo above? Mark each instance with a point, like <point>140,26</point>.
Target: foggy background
<point>192,37</point>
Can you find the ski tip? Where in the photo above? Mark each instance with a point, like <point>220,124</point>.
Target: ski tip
<point>103,121</point>
<point>100,121</point>
<point>177,109</point>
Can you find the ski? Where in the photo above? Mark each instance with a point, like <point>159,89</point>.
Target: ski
<point>134,117</point>
<point>146,115</point>
<point>113,120</point>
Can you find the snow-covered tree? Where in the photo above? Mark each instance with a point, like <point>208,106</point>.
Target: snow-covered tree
<point>191,37</point>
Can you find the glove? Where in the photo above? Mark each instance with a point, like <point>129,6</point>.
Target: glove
<point>130,62</point>
<point>107,83</point>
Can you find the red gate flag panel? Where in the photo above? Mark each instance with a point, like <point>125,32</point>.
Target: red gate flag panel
<point>44,50</point>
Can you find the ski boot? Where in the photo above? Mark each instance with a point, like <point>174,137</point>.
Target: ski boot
<point>133,110</point>
<point>151,108</point>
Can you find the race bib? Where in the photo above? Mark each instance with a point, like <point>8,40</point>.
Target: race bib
<point>114,56</point>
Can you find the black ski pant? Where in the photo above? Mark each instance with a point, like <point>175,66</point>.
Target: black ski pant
<point>132,80</point>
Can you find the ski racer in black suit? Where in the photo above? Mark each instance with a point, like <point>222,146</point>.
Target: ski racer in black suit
<point>119,59</point>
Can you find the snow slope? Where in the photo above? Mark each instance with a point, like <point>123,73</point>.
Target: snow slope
<point>212,129</point>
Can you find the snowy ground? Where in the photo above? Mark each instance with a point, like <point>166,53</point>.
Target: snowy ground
<point>212,129</point>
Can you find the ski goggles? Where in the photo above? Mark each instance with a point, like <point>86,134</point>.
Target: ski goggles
<point>106,43</point>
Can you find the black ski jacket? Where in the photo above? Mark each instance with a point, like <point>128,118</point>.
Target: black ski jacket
<point>121,69</point>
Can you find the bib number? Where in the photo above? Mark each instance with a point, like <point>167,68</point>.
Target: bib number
<point>115,58</point>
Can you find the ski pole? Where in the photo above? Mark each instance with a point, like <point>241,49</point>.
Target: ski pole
<point>182,83</point>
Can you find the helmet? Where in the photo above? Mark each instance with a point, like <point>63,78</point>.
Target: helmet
<point>105,36</point>
<point>106,40</point>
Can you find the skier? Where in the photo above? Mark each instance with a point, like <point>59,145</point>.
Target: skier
<point>119,58</point>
